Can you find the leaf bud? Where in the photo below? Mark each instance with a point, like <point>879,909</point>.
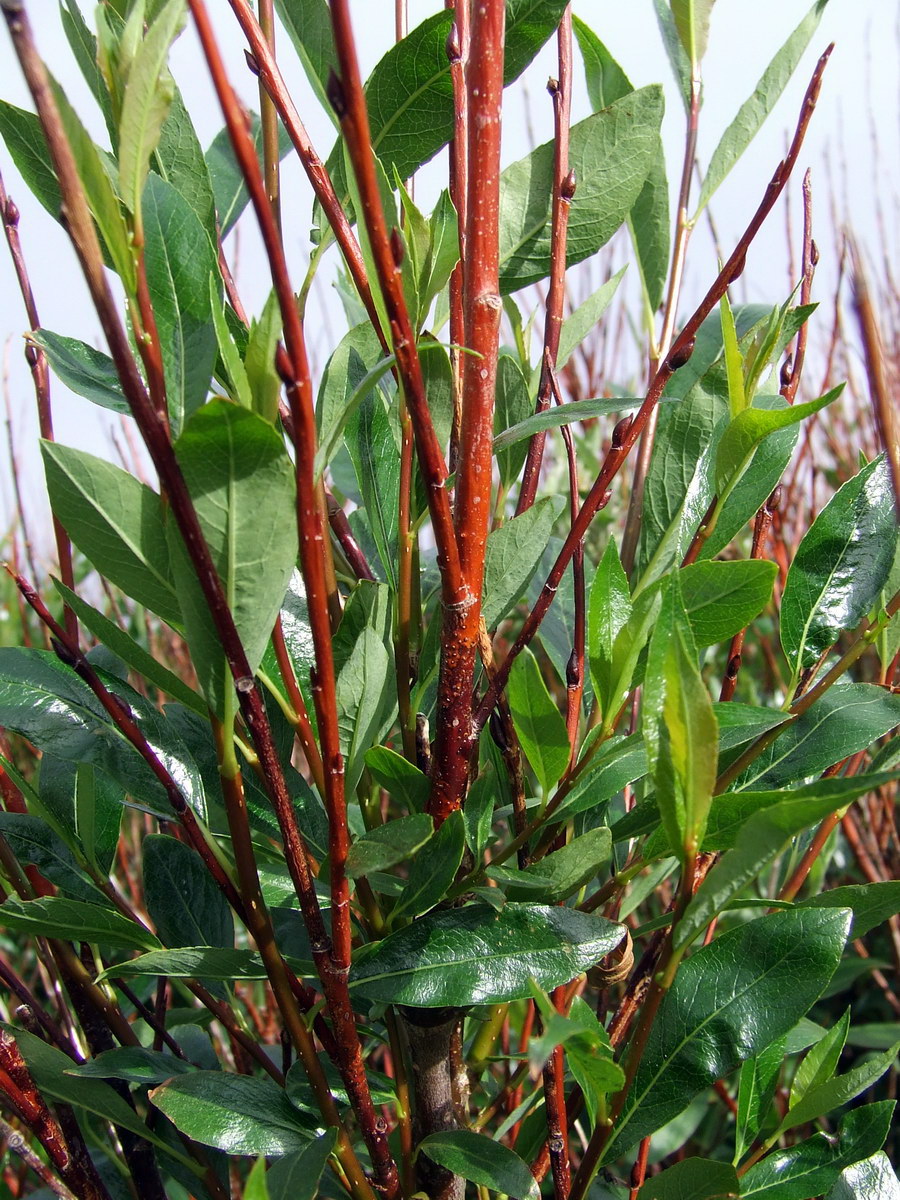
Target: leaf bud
<point>334,90</point>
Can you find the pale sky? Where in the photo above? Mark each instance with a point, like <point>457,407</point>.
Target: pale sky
<point>852,149</point>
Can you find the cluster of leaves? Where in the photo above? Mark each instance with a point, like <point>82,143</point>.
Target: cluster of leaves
<point>202,1019</point>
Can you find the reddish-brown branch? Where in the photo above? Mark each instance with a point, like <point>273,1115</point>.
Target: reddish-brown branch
<point>639,1171</point>
<point>40,374</point>
<point>679,353</point>
<point>563,189</point>
<point>810,258</point>
<point>557,1120</point>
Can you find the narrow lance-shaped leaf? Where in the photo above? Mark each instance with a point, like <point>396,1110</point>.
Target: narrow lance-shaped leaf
<point>85,371</point>
<point>840,566</point>
<point>692,23</point>
<point>753,112</point>
<point>477,1157</point>
<point>538,722</point>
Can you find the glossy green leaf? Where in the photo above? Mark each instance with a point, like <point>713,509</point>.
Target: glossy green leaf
<point>241,480</point>
<point>145,104</point>
<point>366,702</point>
<point>180,261</point>
<point>609,612</point>
<point>730,1000</point>
<point>823,1097</point>
<point>821,1061</point>
<point>133,1064</point>
<point>75,920</point>
<point>27,146</point>
<point>616,681</point>
<point>256,1187</point>
<point>388,844</point>
<point>85,371</point>
<point>756,1091</point>
<point>116,522</point>
<point>32,840</point>
<point>131,652</point>
<point>191,962</point>
<point>872,903</point>
<point>512,557</point>
<point>538,722</point>
<point>847,718</point>
<point>620,762</point>
<point>49,1068</point>
<point>478,1158</point>
<point>693,1179</point>
<point>433,869</point>
<point>47,703</point>
<point>753,112</point>
<point>871,1179</point>
<point>560,874</point>
<point>563,414</point>
<point>239,1114</point>
<point>478,812</point>
<point>750,427</point>
<point>840,566</point>
<point>85,806</point>
<point>721,598</point>
<point>810,1167</point>
<point>182,899</point>
<point>405,782</point>
<point>476,955</point>
<point>296,1176</point>
<point>611,153</point>
<point>229,189</point>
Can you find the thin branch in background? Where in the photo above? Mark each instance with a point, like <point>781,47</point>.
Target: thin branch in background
<point>564,184</point>
<point>14,1141</point>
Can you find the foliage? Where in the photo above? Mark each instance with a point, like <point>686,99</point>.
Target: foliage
<point>420,809</point>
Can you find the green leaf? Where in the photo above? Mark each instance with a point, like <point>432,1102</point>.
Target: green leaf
<point>678,59</point>
<point>27,146</point>
<point>74,920</point>
<point>734,362</point>
<point>259,361</point>
<point>728,1001</point>
<point>352,372</point>
<point>131,652</point>
<point>721,598</point>
<point>585,319</point>
<point>477,1157</point>
<point>133,1064</point>
<point>753,112</point>
<point>376,460</point>
<point>32,840</point>
<point>622,761</point>
<point>810,1167</point>
<point>83,45</point>
<point>433,869</point>
<point>190,962</point>
<point>872,903</point>
<point>235,374</point>
<point>750,427</point>
<point>85,807</point>
<point>563,414</point>
<point>366,702</point>
<point>478,812</point>
<point>256,1187</point>
<point>605,79</point>
<point>308,24</point>
<point>693,1179</point>
<point>512,557</point>
<point>609,612</point>
<point>840,566</point>
<point>229,189</point>
<point>821,1062</point>
<point>145,105</point>
<point>85,371</point>
<point>296,1176</point>
<point>616,681</point>
<point>872,1179</point>
<point>756,1091</point>
<point>650,227</point>
<point>388,844</point>
<point>50,1069</point>
<point>179,160</point>
<point>476,955</point>
<point>405,782</point>
<point>538,722</point>
<point>180,262</point>
<point>512,407</point>
<point>239,1114</point>
<point>241,481</point>
<point>611,153</point>
<point>47,703</point>
<point>182,899</point>
<point>116,522</point>
<point>829,1094</point>
<point>691,19</point>
<point>680,730</point>
<point>557,876</point>
<point>846,719</point>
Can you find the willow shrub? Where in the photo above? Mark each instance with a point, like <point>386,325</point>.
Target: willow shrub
<point>390,833</point>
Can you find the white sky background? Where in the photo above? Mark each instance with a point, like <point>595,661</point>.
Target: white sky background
<point>852,148</point>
